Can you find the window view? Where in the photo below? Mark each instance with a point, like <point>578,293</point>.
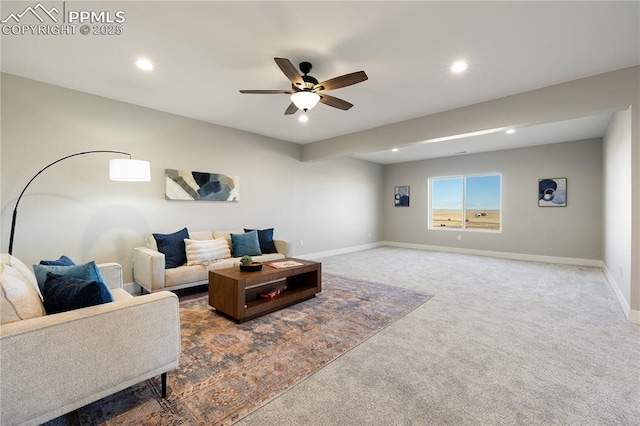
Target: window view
<point>466,202</point>
<point>446,202</point>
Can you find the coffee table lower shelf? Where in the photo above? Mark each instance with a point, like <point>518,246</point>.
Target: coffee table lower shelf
<point>261,306</point>
<point>236,293</point>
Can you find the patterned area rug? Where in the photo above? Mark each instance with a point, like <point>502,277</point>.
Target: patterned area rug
<point>228,370</point>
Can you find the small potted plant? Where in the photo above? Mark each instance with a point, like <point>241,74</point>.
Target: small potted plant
<point>247,264</point>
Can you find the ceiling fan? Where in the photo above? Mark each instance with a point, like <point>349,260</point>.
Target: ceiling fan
<point>306,92</point>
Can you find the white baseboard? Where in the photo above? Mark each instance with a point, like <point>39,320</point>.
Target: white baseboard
<point>631,314</point>
<point>501,254</point>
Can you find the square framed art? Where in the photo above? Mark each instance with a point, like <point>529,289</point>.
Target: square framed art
<point>552,192</point>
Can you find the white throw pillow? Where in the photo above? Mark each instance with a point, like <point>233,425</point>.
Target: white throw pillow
<point>203,251</point>
<point>19,266</point>
<point>19,300</point>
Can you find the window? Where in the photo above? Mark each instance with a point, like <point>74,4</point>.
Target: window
<point>466,203</point>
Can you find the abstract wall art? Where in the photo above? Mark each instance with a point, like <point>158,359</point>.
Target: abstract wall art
<point>552,192</point>
<point>200,186</point>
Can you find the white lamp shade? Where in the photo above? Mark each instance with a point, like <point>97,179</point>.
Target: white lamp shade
<point>305,100</point>
<point>129,170</point>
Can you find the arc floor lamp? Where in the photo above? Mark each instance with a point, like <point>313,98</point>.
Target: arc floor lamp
<point>119,169</point>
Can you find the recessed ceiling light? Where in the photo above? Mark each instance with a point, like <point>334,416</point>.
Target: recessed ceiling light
<point>144,64</point>
<point>394,150</point>
<point>459,66</point>
<point>510,131</point>
<point>303,118</point>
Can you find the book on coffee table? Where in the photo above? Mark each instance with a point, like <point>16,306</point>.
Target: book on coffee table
<point>273,293</point>
<point>284,264</point>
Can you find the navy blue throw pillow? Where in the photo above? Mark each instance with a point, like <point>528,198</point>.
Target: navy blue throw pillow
<point>63,293</point>
<point>62,261</point>
<point>265,238</point>
<point>172,246</point>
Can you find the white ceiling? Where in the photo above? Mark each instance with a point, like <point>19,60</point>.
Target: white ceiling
<point>204,52</point>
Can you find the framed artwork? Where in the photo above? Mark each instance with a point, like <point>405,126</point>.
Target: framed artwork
<point>552,192</point>
<point>401,196</point>
<point>200,186</point>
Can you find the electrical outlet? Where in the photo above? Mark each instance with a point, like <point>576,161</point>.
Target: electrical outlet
<point>459,237</point>
<point>301,243</point>
<point>369,234</point>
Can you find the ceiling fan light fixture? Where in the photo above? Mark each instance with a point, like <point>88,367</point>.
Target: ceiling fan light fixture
<point>305,100</point>
<point>305,88</point>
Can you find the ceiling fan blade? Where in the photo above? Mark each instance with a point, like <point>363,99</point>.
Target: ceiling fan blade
<point>269,92</point>
<point>342,81</point>
<point>335,102</point>
<point>292,109</point>
<point>290,71</point>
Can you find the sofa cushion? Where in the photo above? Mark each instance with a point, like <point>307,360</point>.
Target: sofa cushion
<point>245,244</point>
<point>265,238</point>
<point>200,235</point>
<point>87,271</point>
<point>19,299</point>
<point>184,275</point>
<point>227,236</point>
<point>172,246</point>
<point>62,261</point>
<point>64,293</point>
<point>205,251</point>
<point>150,242</point>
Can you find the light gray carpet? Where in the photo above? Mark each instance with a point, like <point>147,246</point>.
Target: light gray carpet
<point>502,342</point>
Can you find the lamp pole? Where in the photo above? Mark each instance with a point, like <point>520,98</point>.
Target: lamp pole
<point>15,210</point>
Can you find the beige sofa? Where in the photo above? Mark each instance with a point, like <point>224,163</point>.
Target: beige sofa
<point>149,264</point>
<point>53,364</point>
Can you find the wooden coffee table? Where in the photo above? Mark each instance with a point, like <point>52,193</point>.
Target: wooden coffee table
<point>240,295</point>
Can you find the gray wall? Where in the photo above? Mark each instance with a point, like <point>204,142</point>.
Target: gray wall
<point>574,231</point>
<point>617,201</point>
<point>73,208</point>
